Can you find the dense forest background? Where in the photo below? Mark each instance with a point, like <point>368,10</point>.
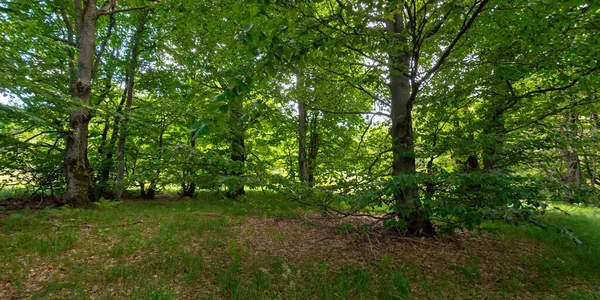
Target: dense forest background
<point>421,114</point>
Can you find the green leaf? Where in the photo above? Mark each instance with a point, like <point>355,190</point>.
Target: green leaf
<point>219,98</point>
<point>224,108</point>
<point>200,130</point>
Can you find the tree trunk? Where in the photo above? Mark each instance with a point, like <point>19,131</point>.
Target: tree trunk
<point>104,189</point>
<point>102,186</point>
<point>119,186</point>
<point>142,189</point>
<point>237,148</point>
<point>417,222</point>
<point>302,158</point>
<point>313,150</point>
<point>135,51</point>
<point>80,191</point>
<point>189,188</point>
<point>573,176</point>
<point>108,150</point>
<point>152,189</point>
<point>595,124</point>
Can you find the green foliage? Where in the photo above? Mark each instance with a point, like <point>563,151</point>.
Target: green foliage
<point>103,204</point>
<point>504,109</point>
<point>454,201</point>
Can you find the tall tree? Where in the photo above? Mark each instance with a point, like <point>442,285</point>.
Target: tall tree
<point>572,164</point>
<point>136,48</point>
<point>80,189</point>
<point>237,148</point>
<point>302,129</point>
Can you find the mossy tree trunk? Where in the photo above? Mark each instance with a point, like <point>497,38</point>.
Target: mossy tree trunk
<point>78,174</point>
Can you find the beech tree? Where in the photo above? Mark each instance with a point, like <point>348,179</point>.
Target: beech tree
<point>79,178</point>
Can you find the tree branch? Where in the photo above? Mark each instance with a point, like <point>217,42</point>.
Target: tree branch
<point>437,26</point>
<point>560,88</point>
<point>106,13</point>
<point>341,4</point>
<point>554,112</point>
<point>108,6</point>
<point>99,54</point>
<point>41,133</point>
<point>464,28</point>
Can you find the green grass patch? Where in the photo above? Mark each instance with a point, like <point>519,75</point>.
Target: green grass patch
<point>205,248</point>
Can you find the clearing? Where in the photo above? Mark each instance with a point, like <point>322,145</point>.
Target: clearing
<point>264,248</point>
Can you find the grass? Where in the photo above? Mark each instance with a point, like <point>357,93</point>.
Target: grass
<point>256,248</point>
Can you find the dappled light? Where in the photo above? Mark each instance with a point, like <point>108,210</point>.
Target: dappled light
<point>160,149</point>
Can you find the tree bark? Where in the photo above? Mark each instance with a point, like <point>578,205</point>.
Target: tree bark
<point>151,193</point>
<point>595,125</point>
<point>237,148</point>
<point>135,51</point>
<point>189,188</point>
<point>313,150</point>
<point>302,157</point>
<point>572,164</point>
<point>78,173</point>
<point>401,132</point>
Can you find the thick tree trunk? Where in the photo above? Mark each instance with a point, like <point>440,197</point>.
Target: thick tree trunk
<point>135,51</point>
<point>80,191</point>
<point>237,148</point>
<point>302,158</point>
<point>402,127</point>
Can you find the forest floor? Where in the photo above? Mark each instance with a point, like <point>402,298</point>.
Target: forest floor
<point>264,248</point>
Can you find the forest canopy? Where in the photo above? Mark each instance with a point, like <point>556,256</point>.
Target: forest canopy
<point>427,116</point>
